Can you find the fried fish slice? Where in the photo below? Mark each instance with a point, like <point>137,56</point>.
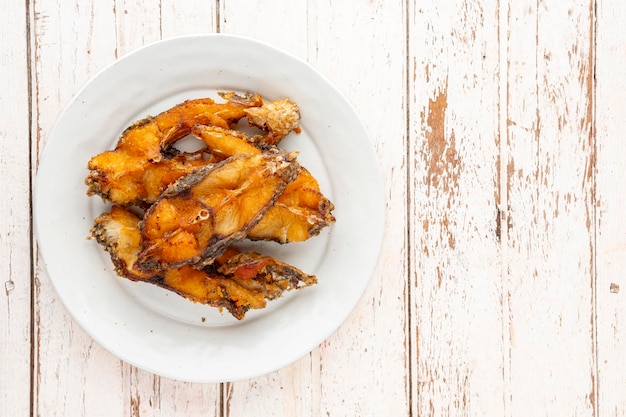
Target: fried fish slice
<point>201,214</point>
<point>278,118</point>
<point>124,175</point>
<point>142,183</point>
<point>300,212</point>
<point>156,178</point>
<point>237,281</point>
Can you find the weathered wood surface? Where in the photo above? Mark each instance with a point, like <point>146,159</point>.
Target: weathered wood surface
<point>15,229</point>
<point>608,113</point>
<point>498,128</point>
<point>456,258</point>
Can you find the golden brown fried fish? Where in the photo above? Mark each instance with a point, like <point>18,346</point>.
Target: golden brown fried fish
<point>278,118</point>
<point>124,175</point>
<point>201,214</point>
<point>237,281</point>
<point>134,172</point>
<point>300,212</point>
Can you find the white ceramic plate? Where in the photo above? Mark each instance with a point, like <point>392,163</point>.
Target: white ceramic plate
<point>159,331</point>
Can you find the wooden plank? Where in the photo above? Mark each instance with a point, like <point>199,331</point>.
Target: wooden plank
<point>15,230</point>
<point>362,49</point>
<point>146,394</point>
<point>456,311</point>
<point>288,391</point>
<point>137,24</point>
<point>550,209</point>
<point>65,33</point>
<point>360,370</point>
<point>73,375</point>
<point>284,24</point>
<point>610,59</point>
<point>180,18</point>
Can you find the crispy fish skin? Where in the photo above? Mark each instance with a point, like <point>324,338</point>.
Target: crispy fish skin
<point>143,181</point>
<point>201,214</point>
<point>278,118</point>
<point>244,266</point>
<point>224,143</point>
<point>237,281</point>
<point>118,232</point>
<point>123,175</point>
<point>300,212</point>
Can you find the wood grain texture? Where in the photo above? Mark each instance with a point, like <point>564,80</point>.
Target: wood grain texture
<point>332,379</point>
<point>70,368</point>
<point>498,128</point>
<point>293,390</point>
<point>610,108</point>
<point>89,36</point>
<point>179,18</point>
<point>364,366</point>
<point>15,230</point>
<point>284,24</point>
<point>457,320</point>
<point>138,24</point>
<point>550,190</point>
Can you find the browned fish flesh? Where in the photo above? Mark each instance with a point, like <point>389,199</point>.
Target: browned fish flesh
<point>300,212</point>
<point>201,214</point>
<point>144,161</point>
<point>278,118</point>
<point>124,175</point>
<point>237,281</point>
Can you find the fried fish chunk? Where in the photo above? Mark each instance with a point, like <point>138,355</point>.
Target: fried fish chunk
<point>300,212</point>
<point>133,173</point>
<point>278,118</point>
<point>125,175</point>
<point>237,281</point>
<point>201,214</point>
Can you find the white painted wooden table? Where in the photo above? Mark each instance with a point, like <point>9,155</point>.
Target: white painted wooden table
<point>500,129</point>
